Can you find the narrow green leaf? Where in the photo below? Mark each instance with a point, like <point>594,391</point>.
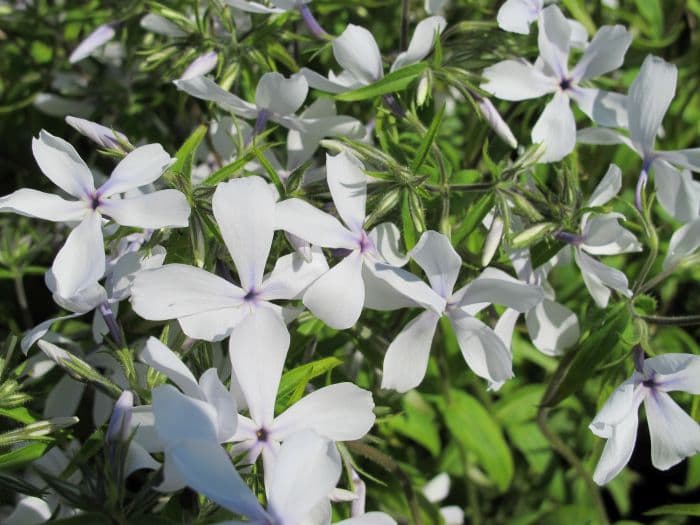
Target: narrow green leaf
<point>476,213</point>
<point>393,82</point>
<point>21,456</point>
<point>185,155</point>
<point>295,380</point>
<point>679,509</point>
<point>427,142</point>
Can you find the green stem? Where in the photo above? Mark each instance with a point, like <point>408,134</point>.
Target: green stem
<point>680,320</point>
<point>22,300</point>
<point>573,460</point>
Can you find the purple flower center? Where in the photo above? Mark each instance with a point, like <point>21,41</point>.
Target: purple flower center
<point>565,84</point>
<point>251,296</point>
<point>262,434</point>
<point>95,201</point>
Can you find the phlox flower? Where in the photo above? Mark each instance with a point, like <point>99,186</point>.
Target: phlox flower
<point>276,98</point>
<point>406,359</point>
<point>520,80</point>
<point>674,435</point>
<point>358,54</point>
<point>338,296</point>
<point>516,16</point>
<point>80,263</point>
<point>435,491</point>
<point>102,135</point>
<point>601,234</point>
<point>210,307</point>
<point>649,97</point>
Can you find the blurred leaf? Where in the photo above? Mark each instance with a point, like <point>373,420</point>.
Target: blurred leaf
<point>293,382</point>
<point>678,509</point>
<point>417,422</point>
<point>21,456</point>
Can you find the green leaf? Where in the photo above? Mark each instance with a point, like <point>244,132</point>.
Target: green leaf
<point>477,431</point>
<point>427,142</point>
<point>393,82</point>
<point>294,381</point>
<point>19,414</point>
<point>21,456</point>
<point>476,213</point>
<point>417,422</point>
<point>89,518</point>
<point>577,366</point>
<point>185,155</point>
<point>18,485</point>
<point>678,509</point>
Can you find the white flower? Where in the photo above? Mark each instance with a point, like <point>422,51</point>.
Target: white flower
<point>102,135</point>
<point>601,234</point>
<point>674,435</point>
<point>276,98</point>
<point>406,359</point>
<point>650,95</point>
<point>337,297</point>
<point>435,491</point>
<point>357,52</point>
<point>517,15</point>
<point>80,263</point>
<point>520,80</point>
<point>210,307</point>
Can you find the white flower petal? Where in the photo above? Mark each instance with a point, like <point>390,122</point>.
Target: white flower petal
<point>338,295</point>
<point>677,191</point>
<point>599,278</point>
<point>280,95</point>
<point>159,357</point>
<point>439,260</point>
<point>603,107</point>
<point>605,53</point>
<point>60,162</point>
<point>140,167</point>
<point>517,15</point>
<point>100,36</point>
<point>161,26</point>
<point>505,326</point>
<point>29,511</point>
<point>32,335</point>
<point>223,401</point>
<point>603,136</point>
<point>370,518</point>
<point>684,241</point>
<point>201,65</point>
<point>482,349</point>
<point>206,468</point>
<point>387,239</point>
<point>552,327</point>
<point>607,188</point>
<point>348,185</point>
<point>605,236</point>
<point>244,208</point>
<point>406,359</point>
<point>292,274</point>
<point>213,325</point>
<point>421,42</point>
<point>618,449</point>
<point>675,372</point>
<point>496,286</point>
<point>160,209</point>
<point>437,489</point>
<point>307,468</point>
<point>556,129</point>
<point>178,290</point>
<point>81,260</point>
<point>179,417</point>
<point>206,89</point>
<point>339,412</point>
<point>686,158</point>
<point>253,7</point>
<point>553,39</point>
<point>33,203</point>
<point>650,96</point>
<point>674,434</point>
<point>357,51</point>
<point>138,458</point>
<point>516,80</point>
<point>311,224</point>
<point>391,288</point>
<point>322,83</point>
<point>257,348</point>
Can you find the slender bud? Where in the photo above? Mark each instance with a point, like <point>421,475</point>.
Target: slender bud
<point>94,40</point>
<point>531,235</point>
<point>493,240</point>
<point>638,356</point>
<point>493,118</point>
<point>201,65</point>
<point>120,422</point>
<point>102,135</point>
<point>312,23</point>
<point>357,507</point>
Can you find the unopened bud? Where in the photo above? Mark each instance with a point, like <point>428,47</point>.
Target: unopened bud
<point>120,422</point>
<point>102,135</point>
<point>493,240</point>
<point>200,66</point>
<point>531,235</point>
<point>494,119</point>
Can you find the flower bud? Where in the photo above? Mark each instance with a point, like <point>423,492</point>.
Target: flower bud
<point>493,118</point>
<point>120,422</point>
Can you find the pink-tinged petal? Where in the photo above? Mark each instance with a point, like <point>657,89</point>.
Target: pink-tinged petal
<point>179,417</point>
<point>201,65</point>
<point>280,95</point>
<point>603,107</point>
<point>439,260</point>
<point>60,162</point>
<point>178,290</point>
<point>219,397</point>
<point>677,191</point>
<point>406,359</point>
<point>206,89</point>
<point>552,327</point>
<point>245,211</point>
<point>348,185</point>
<point>516,80</point>
<point>81,260</point>
<point>553,39</point>
<point>674,434</point>
<point>300,218</point>
<point>307,469</point>
<point>421,43</point>
<point>338,295</point>
<point>161,358</point>
<point>339,412</point>
<point>292,274</point>
<point>206,468</point>
<point>357,51</point>
<point>140,167</point>
<point>496,286</point>
<point>605,53</point>
<point>650,95</point>
<point>675,372</point>
<point>481,348</point>
<point>257,348</point>
<point>93,41</point>
<point>556,129</point>
<point>33,203</point>
<point>160,209</point>
<point>684,241</point>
